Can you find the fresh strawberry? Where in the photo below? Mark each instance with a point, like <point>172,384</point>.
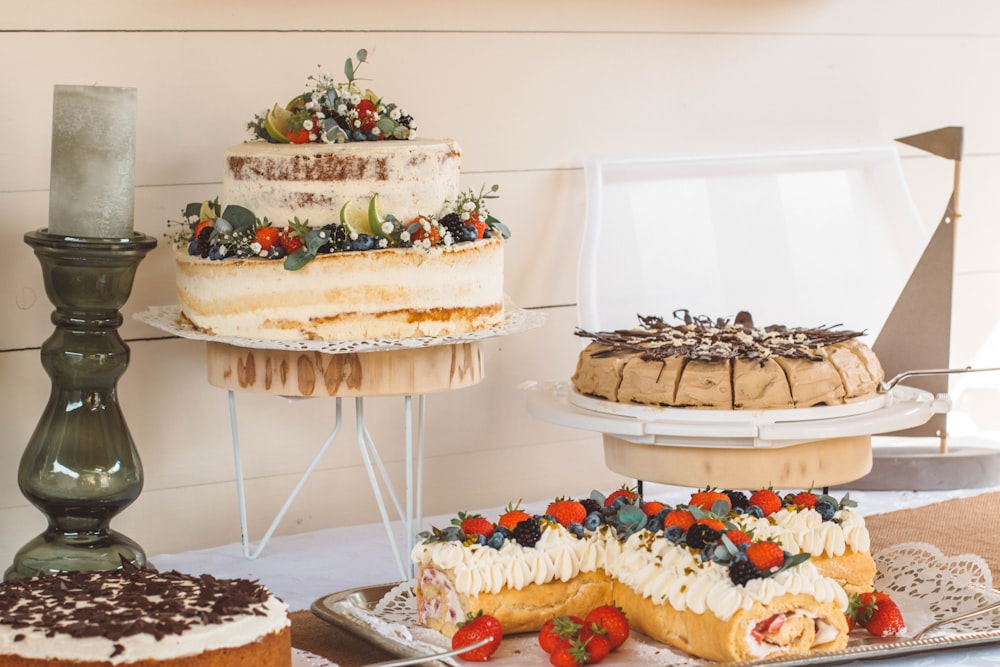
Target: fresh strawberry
<point>767,500</point>
<point>628,494</point>
<point>681,518</point>
<point>653,507</point>
<point>474,629</point>
<point>367,117</point>
<point>886,619</point>
<point>567,511</point>
<point>556,629</point>
<point>202,225</point>
<point>299,136</point>
<point>610,620</point>
<point>706,499</point>
<point>569,652</point>
<point>737,536</point>
<point>474,221</point>
<point>290,240</point>
<point>268,237</point>
<point>512,516</point>
<point>474,524</point>
<point>805,498</point>
<point>598,645</point>
<point>859,608</point>
<point>425,231</point>
<point>765,555</point>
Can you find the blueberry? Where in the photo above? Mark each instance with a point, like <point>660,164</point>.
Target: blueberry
<point>480,539</point>
<point>593,521</point>
<point>193,248</point>
<point>654,524</point>
<point>674,533</point>
<point>363,242</point>
<point>487,234</point>
<point>755,511</point>
<point>497,539</point>
<point>468,233</point>
<point>826,510</point>
<point>575,529</point>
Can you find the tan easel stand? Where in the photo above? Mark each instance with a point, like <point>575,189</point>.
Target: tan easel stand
<point>917,335</point>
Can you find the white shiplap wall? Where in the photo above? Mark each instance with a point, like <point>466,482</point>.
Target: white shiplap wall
<point>530,90</point>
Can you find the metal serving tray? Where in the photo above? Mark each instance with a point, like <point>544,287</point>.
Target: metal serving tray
<point>348,610</point>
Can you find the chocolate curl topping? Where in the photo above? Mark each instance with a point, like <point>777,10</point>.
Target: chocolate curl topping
<point>129,601</point>
<point>701,338</point>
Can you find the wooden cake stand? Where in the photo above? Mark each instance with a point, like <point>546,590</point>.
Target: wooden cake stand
<point>410,373</point>
<point>410,368</point>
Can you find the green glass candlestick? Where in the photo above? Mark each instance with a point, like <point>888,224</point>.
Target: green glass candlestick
<point>81,467</point>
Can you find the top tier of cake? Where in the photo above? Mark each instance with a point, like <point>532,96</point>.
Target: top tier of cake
<point>313,181</point>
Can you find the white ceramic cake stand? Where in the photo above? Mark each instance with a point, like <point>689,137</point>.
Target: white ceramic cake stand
<point>805,447</point>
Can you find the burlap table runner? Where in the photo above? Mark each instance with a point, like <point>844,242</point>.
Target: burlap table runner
<point>962,526</point>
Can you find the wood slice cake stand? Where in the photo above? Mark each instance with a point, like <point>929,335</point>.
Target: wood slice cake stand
<point>407,372</point>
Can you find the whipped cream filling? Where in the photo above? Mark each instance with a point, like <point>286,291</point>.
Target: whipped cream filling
<point>667,574</point>
<point>801,530</point>
<point>557,556</point>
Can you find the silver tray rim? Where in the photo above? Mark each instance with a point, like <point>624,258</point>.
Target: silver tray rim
<point>859,648</point>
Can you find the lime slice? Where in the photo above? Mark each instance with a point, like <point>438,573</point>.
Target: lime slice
<point>277,123</point>
<point>375,217</point>
<point>207,211</point>
<point>355,218</point>
<point>298,103</point>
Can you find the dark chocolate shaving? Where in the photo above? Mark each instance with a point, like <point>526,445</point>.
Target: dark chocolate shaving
<point>701,338</point>
<point>125,602</point>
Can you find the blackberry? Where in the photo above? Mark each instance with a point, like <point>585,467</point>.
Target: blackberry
<point>527,532</point>
<point>204,247</point>
<point>738,499</point>
<point>453,223</point>
<point>699,535</point>
<point>591,505</point>
<point>743,571</point>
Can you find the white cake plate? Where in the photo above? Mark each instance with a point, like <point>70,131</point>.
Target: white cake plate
<point>807,447</point>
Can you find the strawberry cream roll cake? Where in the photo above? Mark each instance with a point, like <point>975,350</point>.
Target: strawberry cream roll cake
<point>683,577</point>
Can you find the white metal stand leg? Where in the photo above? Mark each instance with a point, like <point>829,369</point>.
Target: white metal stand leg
<point>241,491</point>
<point>412,515</point>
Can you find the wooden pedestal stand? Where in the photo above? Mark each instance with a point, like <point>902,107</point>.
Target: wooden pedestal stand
<point>409,372</point>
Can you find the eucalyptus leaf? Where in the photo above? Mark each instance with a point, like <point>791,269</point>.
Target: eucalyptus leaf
<point>298,259</point>
<point>316,239</point>
<point>239,217</point>
<point>192,210</point>
<point>386,125</point>
<point>349,70</point>
<point>362,55</point>
<point>496,224</point>
<point>720,507</point>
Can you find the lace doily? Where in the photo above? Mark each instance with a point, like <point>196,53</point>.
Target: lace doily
<point>168,319</point>
<point>927,585</point>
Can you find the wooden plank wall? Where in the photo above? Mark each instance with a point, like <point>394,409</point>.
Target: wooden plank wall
<point>530,90</point>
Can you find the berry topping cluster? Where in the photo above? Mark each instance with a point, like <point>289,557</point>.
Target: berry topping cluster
<point>707,524</point>
<point>209,232</point>
<point>334,112</point>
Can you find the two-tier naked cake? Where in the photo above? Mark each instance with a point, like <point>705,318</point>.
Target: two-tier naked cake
<point>336,223</point>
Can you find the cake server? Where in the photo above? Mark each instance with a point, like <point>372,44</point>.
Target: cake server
<point>421,659</point>
<point>889,384</point>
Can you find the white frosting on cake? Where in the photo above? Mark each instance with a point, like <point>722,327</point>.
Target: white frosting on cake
<point>241,630</point>
<point>313,181</point>
<point>667,574</point>
<point>557,556</point>
<point>803,530</point>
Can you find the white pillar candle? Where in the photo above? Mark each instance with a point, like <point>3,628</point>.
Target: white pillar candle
<point>91,192</point>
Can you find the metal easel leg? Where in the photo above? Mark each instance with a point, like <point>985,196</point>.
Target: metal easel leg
<point>241,490</point>
<point>382,485</point>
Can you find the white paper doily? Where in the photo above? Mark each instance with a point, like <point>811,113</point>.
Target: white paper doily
<point>927,585</point>
<point>168,319</point>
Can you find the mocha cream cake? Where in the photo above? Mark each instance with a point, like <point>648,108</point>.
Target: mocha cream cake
<point>701,363</point>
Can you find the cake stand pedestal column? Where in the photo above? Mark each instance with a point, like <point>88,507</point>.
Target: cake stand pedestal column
<point>81,467</point>
<point>410,373</point>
